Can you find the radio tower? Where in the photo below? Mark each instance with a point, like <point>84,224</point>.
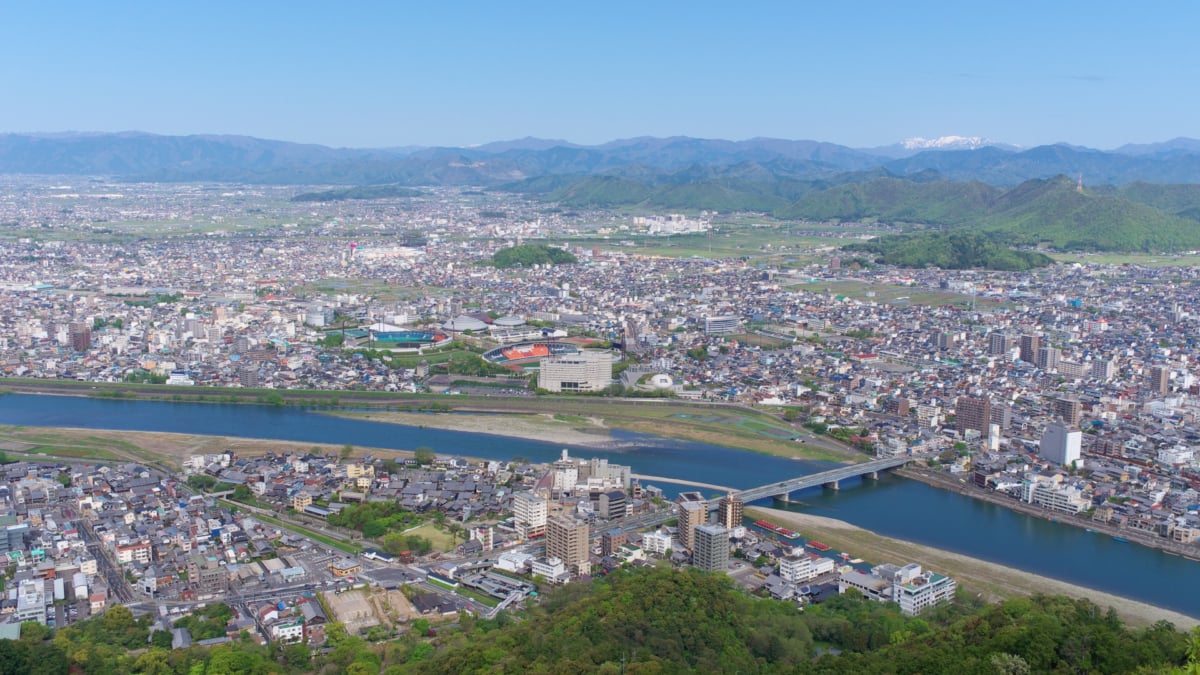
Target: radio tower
<point>1079,185</point>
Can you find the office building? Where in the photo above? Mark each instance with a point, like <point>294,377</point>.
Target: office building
<point>729,511</point>
<point>589,370</point>
<point>972,412</point>
<point>1060,443</point>
<point>711,552</point>
<point>612,504</point>
<point>567,540</point>
<point>31,601</point>
<point>717,325</point>
<point>529,515</point>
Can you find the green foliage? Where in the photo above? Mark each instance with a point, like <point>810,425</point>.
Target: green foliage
<point>698,353</point>
<point>374,519</point>
<point>208,622</point>
<point>526,255</point>
<point>332,339</point>
<point>950,250</point>
<point>241,493</point>
<point>424,455</point>
<point>397,543</point>
<point>465,363</point>
<point>145,377</point>
<point>201,481</point>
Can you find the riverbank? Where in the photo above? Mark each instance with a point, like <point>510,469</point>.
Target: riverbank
<point>588,432</point>
<point>962,486</point>
<point>995,582</point>
<point>712,422</point>
<point>152,446</point>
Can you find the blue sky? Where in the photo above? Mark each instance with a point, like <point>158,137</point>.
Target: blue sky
<point>374,74</point>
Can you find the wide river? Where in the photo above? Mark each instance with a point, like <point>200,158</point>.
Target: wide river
<point>891,506</point>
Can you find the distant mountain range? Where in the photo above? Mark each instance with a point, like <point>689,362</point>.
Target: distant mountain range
<point>134,155</point>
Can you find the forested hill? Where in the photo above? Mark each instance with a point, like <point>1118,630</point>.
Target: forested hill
<point>645,621</point>
<point>662,621</point>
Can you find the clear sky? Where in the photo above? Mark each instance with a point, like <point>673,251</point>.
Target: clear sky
<point>376,74</point>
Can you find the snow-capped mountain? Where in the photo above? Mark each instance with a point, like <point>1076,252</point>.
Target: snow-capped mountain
<point>946,143</point>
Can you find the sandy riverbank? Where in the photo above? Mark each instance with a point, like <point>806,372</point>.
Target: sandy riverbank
<point>575,430</point>
<point>169,447</point>
<point>993,580</point>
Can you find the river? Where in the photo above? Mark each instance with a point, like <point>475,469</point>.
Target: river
<point>891,506</point>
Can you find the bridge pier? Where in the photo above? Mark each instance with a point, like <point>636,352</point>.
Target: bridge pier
<point>874,475</point>
<point>782,498</point>
<point>832,485</point>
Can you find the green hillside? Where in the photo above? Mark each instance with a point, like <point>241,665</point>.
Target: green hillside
<point>895,200</point>
<point>950,250</point>
<point>1180,199</point>
<point>662,621</point>
<point>1053,212</point>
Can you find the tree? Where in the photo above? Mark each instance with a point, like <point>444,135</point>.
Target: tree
<point>424,456</point>
<point>161,638</point>
<point>241,493</point>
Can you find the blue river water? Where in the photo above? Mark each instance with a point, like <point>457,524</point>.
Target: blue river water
<point>891,506</point>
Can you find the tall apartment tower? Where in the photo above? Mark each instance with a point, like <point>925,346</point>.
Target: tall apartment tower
<point>1069,409</point>
<point>1029,347</point>
<point>998,343</point>
<point>529,515</point>
<point>712,548</point>
<point>567,540</point>
<point>729,511</point>
<point>1047,358</point>
<point>691,516</point>
<point>81,337</point>
<point>1160,379</point>
<point>972,412</point>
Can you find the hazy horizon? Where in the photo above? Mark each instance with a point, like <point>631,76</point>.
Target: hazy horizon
<point>378,76</point>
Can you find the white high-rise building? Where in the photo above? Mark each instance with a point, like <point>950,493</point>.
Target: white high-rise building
<point>1061,444</point>
<point>529,514</point>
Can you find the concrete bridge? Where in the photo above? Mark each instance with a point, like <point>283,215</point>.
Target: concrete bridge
<point>829,479</point>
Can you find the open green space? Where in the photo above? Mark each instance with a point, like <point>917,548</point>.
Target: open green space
<point>440,538</point>
<point>891,294</point>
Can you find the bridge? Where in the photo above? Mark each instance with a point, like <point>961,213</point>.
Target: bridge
<point>829,479</point>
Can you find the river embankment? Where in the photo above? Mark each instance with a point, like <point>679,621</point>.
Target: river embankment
<point>995,582</point>
<point>963,486</point>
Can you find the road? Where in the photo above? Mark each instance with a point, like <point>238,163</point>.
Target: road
<point>116,581</point>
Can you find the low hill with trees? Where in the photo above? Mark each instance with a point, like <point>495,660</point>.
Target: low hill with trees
<point>527,255</point>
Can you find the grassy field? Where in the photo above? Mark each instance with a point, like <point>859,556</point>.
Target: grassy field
<point>1148,260</point>
<point>884,293</point>
<point>440,538</point>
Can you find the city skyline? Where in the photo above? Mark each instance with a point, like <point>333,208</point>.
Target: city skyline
<point>381,76</point>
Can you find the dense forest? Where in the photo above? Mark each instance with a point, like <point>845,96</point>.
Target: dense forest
<point>657,621</point>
